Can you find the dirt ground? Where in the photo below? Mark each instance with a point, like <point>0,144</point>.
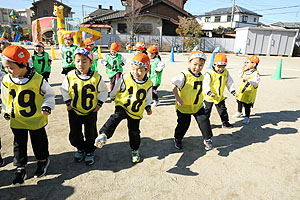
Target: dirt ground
<point>255,161</point>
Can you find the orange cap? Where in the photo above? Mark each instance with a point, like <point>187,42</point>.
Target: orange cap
<point>140,45</point>
<point>220,59</point>
<point>197,54</point>
<point>15,53</point>
<point>152,49</point>
<point>253,58</point>
<point>115,46</point>
<point>3,40</point>
<point>142,60</point>
<point>39,44</point>
<point>68,36</point>
<point>88,41</point>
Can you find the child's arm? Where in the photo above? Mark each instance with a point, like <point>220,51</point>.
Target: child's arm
<point>148,102</point>
<point>4,93</point>
<point>96,54</point>
<point>102,94</point>
<point>118,86</point>
<point>177,97</point>
<point>64,89</point>
<point>49,60</point>
<point>230,85</point>
<point>206,85</point>
<point>49,98</point>
<point>178,83</point>
<point>105,63</point>
<point>123,61</point>
<point>253,81</point>
<point>160,66</point>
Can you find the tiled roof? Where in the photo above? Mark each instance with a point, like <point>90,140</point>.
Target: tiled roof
<point>289,25</point>
<point>228,10</point>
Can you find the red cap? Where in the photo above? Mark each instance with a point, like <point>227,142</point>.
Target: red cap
<point>68,36</point>
<point>140,45</point>
<point>142,60</point>
<point>39,44</point>
<point>15,53</point>
<point>115,46</point>
<point>197,54</point>
<point>152,49</point>
<point>253,58</point>
<point>3,40</point>
<point>88,41</point>
<point>220,59</point>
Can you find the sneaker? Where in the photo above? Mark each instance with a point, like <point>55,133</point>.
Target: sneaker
<point>178,143</point>
<point>237,115</point>
<point>41,168</point>
<point>79,156</point>
<point>155,103</point>
<point>100,140</point>
<point>2,163</point>
<point>246,120</point>
<point>89,159</point>
<point>135,155</point>
<point>227,125</point>
<point>20,176</point>
<point>208,144</point>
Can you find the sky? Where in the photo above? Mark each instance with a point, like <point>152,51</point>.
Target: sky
<point>272,10</point>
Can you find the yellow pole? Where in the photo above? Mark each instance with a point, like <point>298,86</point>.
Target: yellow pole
<point>52,53</point>
<point>99,50</point>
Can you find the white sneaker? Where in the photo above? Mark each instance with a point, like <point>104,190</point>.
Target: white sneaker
<point>237,115</point>
<point>155,103</point>
<point>246,120</point>
<point>100,140</point>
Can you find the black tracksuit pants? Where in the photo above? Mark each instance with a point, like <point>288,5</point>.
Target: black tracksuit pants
<point>246,106</point>
<point>221,108</point>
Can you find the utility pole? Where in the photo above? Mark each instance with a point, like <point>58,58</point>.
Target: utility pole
<point>232,12</point>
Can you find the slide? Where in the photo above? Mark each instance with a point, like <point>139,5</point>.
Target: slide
<point>46,25</point>
<point>18,37</point>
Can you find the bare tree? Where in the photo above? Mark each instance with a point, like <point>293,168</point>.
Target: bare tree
<point>132,16</point>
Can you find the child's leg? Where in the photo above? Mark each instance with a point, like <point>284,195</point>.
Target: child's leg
<point>112,82</point>
<point>46,75</point>
<point>222,110</point>
<point>154,93</point>
<point>90,132</point>
<point>20,147</point>
<point>240,106</point>
<point>111,124</point>
<point>203,123</point>
<point>76,135</point>
<point>134,133</point>
<point>183,123</point>
<point>39,143</point>
<point>118,75</point>
<point>247,109</point>
<point>208,106</point>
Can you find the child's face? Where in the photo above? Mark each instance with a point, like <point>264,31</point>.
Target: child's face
<point>151,55</point>
<point>68,42</point>
<point>138,72</point>
<point>113,53</point>
<point>219,68</point>
<point>13,69</point>
<point>38,49</point>
<point>82,63</point>
<point>249,64</point>
<point>196,65</point>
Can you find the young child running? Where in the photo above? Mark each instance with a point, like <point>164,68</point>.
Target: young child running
<point>114,63</point>
<point>27,100</point>
<point>84,92</point>
<point>133,94</point>
<point>67,53</point>
<point>41,61</point>
<point>89,43</point>
<point>155,74</point>
<point>214,84</point>
<point>189,101</point>
<point>248,89</point>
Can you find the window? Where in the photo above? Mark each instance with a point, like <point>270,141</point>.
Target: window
<point>245,19</point>
<point>144,28</point>
<point>254,19</point>
<point>228,18</point>
<point>217,18</point>
<point>122,28</point>
<point>207,19</point>
<point>45,12</point>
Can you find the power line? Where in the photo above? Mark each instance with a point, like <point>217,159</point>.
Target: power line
<point>280,13</point>
<point>278,8</point>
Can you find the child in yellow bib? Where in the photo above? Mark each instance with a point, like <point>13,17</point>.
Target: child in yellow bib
<point>248,89</point>
<point>27,100</point>
<point>189,100</point>
<point>84,92</point>
<point>214,84</point>
<point>133,95</point>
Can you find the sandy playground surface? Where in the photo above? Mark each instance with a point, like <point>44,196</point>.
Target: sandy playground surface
<point>256,161</point>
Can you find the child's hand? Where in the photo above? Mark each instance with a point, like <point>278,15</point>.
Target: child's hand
<point>179,101</point>
<point>45,112</point>
<point>154,74</point>
<point>149,112</point>
<point>246,78</point>
<point>69,107</point>
<point>108,66</point>
<point>212,94</point>
<point>97,108</point>
<point>6,116</point>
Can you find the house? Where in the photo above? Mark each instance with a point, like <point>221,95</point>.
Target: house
<point>149,17</point>
<point>44,8</point>
<point>221,17</point>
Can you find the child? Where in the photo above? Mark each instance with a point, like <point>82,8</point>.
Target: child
<point>140,47</point>
<point>114,63</point>
<point>155,74</point>
<point>27,100</point>
<point>133,94</point>
<point>67,53</point>
<point>3,44</point>
<point>189,101</point>
<point>84,92</point>
<point>41,60</point>
<point>247,93</point>
<point>214,84</point>
<point>89,43</point>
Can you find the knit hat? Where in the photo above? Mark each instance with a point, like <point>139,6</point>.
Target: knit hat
<point>39,44</point>
<point>115,46</point>
<point>197,54</point>
<point>3,40</point>
<point>88,41</point>
<point>85,51</point>
<point>140,45</point>
<point>253,58</point>
<point>68,36</point>
<point>220,59</point>
<point>152,49</point>
<point>142,60</point>
<point>15,53</point>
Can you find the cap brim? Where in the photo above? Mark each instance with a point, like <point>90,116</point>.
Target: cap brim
<point>6,58</point>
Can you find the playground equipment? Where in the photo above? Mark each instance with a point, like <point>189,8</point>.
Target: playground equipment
<point>45,24</point>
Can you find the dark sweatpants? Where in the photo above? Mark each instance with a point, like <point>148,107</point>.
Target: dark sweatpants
<point>221,108</point>
<point>246,106</point>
